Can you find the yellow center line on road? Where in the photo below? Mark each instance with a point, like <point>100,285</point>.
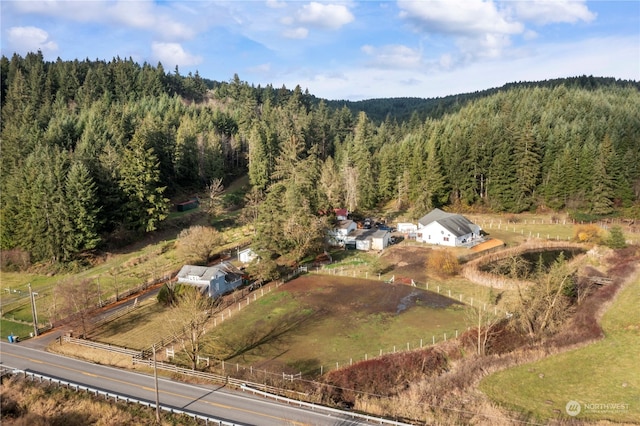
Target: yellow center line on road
<point>214,404</point>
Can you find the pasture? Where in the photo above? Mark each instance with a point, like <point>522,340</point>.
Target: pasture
<point>603,377</point>
<point>316,321</point>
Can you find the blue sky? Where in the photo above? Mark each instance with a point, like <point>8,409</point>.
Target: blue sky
<point>342,50</point>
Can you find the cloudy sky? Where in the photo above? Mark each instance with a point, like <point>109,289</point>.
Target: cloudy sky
<point>342,50</point>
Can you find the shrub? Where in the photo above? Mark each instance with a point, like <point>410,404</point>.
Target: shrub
<point>587,233</point>
<point>443,263</point>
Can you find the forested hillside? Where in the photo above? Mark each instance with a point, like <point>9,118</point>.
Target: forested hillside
<point>94,149</point>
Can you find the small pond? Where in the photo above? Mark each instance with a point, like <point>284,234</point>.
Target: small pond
<point>527,264</point>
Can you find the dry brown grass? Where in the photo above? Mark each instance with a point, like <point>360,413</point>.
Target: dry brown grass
<point>96,356</point>
<point>26,403</point>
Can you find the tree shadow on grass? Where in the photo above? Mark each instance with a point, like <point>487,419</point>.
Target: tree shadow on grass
<point>127,323</point>
<point>264,335</point>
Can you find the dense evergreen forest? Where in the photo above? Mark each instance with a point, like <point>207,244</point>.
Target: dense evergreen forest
<point>94,150</point>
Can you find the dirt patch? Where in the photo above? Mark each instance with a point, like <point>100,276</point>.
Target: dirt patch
<point>326,293</point>
<point>407,261</point>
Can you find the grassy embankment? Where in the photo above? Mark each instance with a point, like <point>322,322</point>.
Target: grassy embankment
<point>605,372</point>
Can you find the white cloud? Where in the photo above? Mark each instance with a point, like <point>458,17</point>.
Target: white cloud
<point>275,4</point>
<point>485,46</point>
<point>613,56</point>
<point>329,16</point>
<point>171,54</point>
<point>469,17</point>
<point>30,39</point>
<point>546,12</point>
<point>479,28</point>
<point>296,33</point>
<point>143,14</point>
<point>393,56</point>
<point>147,16</point>
<point>260,69</point>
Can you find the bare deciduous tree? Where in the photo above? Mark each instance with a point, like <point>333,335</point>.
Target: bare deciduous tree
<point>188,319</point>
<point>542,307</point>
<point>214,192</point>
<point>251,208</point>
<point>485,322</point>
<point>78,299</point>
<point>198,243</point>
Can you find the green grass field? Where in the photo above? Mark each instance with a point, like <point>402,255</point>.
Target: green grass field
<point>139,329</point>
<point>318,320</point>
<point>17,329</point>
<point>605,372</point>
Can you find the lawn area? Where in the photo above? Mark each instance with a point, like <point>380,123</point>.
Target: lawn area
<point>137,330</point>
<point>604,377</point>
<point>15,328</point>
<point>318,320</point>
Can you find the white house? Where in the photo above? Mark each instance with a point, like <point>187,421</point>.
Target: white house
<point>338,235</point>
<point>213,280</point>
<point>448,229</point>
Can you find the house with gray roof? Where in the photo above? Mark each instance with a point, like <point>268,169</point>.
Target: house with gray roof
<point>448,229</point>
<point>212,280</point>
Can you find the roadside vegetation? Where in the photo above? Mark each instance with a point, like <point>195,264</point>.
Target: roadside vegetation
<point>38,404</point>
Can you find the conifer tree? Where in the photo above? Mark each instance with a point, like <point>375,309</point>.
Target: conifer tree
<point>81,228</point>
<point>139,174</point>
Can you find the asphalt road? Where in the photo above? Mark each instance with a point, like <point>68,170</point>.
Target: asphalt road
<point>213,401</point>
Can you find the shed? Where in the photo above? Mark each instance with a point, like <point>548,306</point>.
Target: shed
<point>247,255</point>
<point>188,205</point>
<point>369,239</point>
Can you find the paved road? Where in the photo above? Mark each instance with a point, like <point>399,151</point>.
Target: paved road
<point>213,401</point>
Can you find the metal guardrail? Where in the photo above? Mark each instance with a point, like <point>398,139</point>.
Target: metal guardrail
<point>118,397</point>
<point>268,392</point>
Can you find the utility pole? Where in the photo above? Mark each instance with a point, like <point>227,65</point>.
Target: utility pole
<point>155,379</point>
<point>34,314</point>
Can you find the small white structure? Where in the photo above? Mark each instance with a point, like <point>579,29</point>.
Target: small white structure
<point>212,280</point>
<point>368,239</point>
<point>247,255</point>
<point>407,228</point>
<point>338,235</point>
<point>448,229</point>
